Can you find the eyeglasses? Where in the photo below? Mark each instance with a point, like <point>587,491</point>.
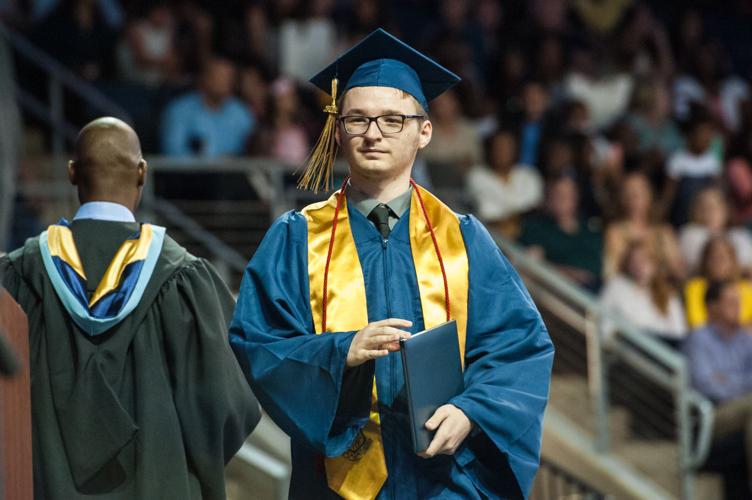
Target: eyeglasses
<point>387,124</point>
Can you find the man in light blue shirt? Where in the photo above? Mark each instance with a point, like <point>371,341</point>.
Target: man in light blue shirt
<point>720,365</point>
<point>209,121</point>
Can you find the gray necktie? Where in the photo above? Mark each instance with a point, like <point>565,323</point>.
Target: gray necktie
<point>380,218</point>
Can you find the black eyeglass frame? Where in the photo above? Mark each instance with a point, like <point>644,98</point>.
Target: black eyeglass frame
<point>376,119</point>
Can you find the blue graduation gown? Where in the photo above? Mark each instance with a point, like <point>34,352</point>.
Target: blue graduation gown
<point>301,380</point>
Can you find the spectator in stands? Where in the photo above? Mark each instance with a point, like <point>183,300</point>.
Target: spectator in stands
<point>705,84</point>
<point>563,237</point>
<point>688,37</point>
<point>81,35</point>
<point>738,175</point>
<point>246,35</point>
<point>605,94</point>
<point>254,90</point>
<point>643,294</point>
<point>568,155</point>
<point>643,44</point>
<point>455,142</point>
<point>692,168</point>
<point>208,121</point>
<point>558,158</point>
<point>550,68</point>
<point>148,52</point>
<point>308,40</point>
<point>508,79</point>
<point>504,189</point>
<point>710,217</point>
<point>600,17</point>
<point>533,122</point>
<point>719,356</point>
<point>718,263</point>
<point>651,120</point>
<point>637,222</point>
<point>283,137</point>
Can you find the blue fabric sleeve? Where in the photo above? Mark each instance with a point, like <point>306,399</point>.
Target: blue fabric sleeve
<point>174,129</point>
<point>508,358</point>
<point>296,375</point>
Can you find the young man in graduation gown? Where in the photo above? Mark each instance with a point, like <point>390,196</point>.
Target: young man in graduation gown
<point>332,288</point>
<point>135,391</point>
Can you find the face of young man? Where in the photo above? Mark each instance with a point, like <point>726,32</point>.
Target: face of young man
<point>374,155</point>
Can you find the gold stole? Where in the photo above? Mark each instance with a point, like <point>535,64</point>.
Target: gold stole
<point>361,471</point>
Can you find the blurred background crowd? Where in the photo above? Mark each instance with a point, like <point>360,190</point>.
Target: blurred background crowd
<point>611,138</point>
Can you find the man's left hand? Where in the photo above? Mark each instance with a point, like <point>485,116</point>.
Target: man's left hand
<point>452,427</point>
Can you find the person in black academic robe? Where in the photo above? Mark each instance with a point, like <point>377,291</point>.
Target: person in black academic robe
<point>139,395</point>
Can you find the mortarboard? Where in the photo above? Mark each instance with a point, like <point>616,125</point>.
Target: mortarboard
<point>379,60</point>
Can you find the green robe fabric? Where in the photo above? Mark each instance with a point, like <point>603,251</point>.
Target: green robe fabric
<point>151,409</point>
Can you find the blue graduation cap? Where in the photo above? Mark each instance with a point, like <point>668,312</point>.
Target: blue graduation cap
<point>382,60</point>
<point>379,60</point>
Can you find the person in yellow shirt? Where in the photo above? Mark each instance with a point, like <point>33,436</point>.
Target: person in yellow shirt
<point>718,263</point>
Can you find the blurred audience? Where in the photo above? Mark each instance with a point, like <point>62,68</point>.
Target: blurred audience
<point>612,100</point>
<point>718,263</point>
<point>562,237</point>
<point>710,217</point>
<point>208,121</point>
<point>642,293</point>
<point>503,189</point>
<point>637,221</point>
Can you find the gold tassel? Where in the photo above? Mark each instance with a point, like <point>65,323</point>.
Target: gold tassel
<point>320,164</point>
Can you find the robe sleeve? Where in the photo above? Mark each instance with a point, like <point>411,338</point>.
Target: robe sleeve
<point>9,277</point>
<point>508,364</point>
<point>299,377</point>
<point>215,406</point>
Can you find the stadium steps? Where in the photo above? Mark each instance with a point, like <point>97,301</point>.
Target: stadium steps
<point>653,461</point>
<point>269,444</point>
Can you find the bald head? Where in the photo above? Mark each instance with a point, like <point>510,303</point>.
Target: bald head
<point>108,165</point>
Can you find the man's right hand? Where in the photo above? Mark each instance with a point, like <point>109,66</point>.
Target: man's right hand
<point>377,340</point>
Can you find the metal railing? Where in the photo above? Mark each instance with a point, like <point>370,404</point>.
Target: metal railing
<point>59,80</point>
<point>10,141</point>
<point>553,482</point>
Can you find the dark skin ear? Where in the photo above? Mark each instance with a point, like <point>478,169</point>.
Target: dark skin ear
<point>72,177</point>
<point>143,168</point>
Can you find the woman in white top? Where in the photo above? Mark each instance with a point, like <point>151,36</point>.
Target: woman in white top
<point>710,217</point>
<point>642,294</point>
<point>504,190</point>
